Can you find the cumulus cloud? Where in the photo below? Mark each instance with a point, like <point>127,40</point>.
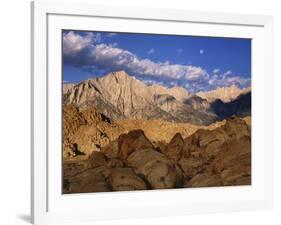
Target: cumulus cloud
<point>228,79</point>
<point>74,43</point>
<point>87,51</point>
<point>216,70</point>
<point>84,51</point>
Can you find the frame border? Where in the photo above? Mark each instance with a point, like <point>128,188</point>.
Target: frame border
<point>39,91</point>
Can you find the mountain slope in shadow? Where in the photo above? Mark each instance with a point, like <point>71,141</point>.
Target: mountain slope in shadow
<point>241,106</point>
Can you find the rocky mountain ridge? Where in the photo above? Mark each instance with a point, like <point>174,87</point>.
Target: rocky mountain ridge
<point>121,96</point>
<point>225,94</point>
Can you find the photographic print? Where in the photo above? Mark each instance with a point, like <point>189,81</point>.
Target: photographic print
<point>154,111</point>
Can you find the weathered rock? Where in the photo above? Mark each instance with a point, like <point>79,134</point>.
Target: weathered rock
<point>90,138</point>
<point>160,146</point>
<point>236,128</point>
<point>88,129</point>
<point>111,150</point>
<point>133,141</point>
<point>115,163</point>
<point>157,170</point>
<point>96,159</point>
<point>71,150</point>
<point>234,162</point>
<point>92,116</point>
<point>72,120</point>
<point>204,180</point>
<point>219,156</point>
<point>207,138</point>
<point>73,168</point>
<point>191,166</point>
<point>90,180</point>
<point>124,179</point>
<point>174,148</point>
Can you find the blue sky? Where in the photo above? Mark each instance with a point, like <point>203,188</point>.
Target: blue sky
<point>195,63</point>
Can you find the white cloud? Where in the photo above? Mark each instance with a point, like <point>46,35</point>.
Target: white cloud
<point>228,79</point>
<point>150,51</point>
<point>201,51</point>
<point>152,82</point>
<point>173,83</point>
<point>86,51</point>
<point>227,73</point>
<point>82,51</point>
<point>216,71</point>
<point>96,37</point>
<point>110,34</point>
<point>74,43</point>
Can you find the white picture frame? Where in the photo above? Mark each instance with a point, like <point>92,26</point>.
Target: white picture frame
<point>48,205</point>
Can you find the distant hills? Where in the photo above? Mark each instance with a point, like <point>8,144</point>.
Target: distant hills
<point>118,96</point>
<point>225,94</point>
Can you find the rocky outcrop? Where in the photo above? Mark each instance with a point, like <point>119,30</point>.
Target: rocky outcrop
<point>125,179</point>
<point>174,149</point>
<point>115,163</point>
<point>96,159</point>
<point>160,172</point>
<point>126,144</point>
<point>220,156</point>
<point>67,87</point>
<point>72,120</point>
<point>133,141</point>
<point>85,180</point>
<point>86,131</point>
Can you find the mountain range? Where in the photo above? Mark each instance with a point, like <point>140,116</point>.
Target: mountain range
<point>225,94</point>
<point>120,96</point>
